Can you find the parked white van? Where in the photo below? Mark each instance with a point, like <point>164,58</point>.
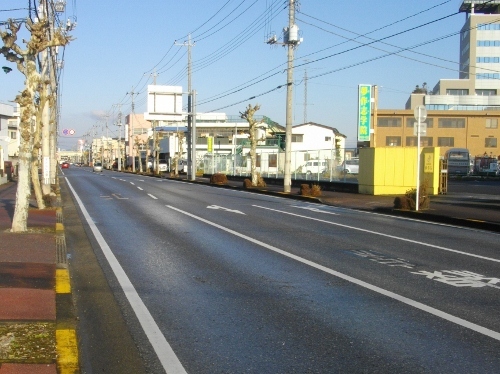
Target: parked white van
<point>315,167</point>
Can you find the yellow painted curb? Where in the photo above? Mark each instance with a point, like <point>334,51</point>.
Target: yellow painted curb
<point>63,284</point>
<point>59,227</point>
<point>67,352</point>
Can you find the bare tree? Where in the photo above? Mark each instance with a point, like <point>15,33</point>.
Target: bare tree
<point>248,115</point>
<point>25,59</point>
<point>139,144</point>
<point>178,154</point>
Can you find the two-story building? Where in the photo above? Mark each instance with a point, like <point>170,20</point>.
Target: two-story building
<point>224,139</point>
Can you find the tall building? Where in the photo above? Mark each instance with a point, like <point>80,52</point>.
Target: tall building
<point>462,112</point>
<point>478,83</point>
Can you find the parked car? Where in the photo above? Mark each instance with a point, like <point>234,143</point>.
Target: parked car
<point>349,166</point>
<point>65,165</point>
<point>97,166</point>
<point>315,167</point>
<point>163,165</point>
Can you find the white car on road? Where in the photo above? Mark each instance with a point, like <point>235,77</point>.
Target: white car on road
<point>97,166</point>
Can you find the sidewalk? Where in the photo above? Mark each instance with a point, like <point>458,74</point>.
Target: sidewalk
<point>34,282</point>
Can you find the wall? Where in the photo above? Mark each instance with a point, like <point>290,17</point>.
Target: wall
<point>392,170</point>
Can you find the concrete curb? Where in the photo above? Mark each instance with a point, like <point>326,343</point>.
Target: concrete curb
<point>66,329</point>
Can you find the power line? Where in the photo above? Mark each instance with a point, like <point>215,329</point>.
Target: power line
<point>355,64</point>
<point>204,23</point>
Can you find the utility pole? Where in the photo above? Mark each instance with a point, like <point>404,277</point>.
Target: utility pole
<point>191,140</point>
<point>119,124</point>
<point>45,113</point>
<point>305,96</point>
<point>131,132</point>
<point>156,155</point>
<point>291,40</point>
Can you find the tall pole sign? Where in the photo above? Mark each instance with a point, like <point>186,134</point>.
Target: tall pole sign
<point>420,115</point>
<point>364,112</point>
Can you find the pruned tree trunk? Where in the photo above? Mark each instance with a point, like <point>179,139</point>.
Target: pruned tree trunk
<point>37,144</point>
<point>25,59</point>
<point>180,140</point>
<point>248,115</point>
<point>23,194</point>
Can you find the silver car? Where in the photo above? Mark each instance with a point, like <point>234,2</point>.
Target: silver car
<point>97,166</point>
<point>349,166</point>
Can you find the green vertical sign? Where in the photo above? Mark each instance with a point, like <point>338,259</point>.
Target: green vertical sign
<point>210,144</point>
<point>364,112</point>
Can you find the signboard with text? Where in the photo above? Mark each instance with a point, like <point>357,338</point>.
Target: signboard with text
<point>364,112</point>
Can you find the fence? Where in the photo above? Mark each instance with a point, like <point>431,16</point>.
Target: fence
<point>320,165</point>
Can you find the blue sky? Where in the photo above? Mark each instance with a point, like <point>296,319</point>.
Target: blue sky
<point>119,45</point>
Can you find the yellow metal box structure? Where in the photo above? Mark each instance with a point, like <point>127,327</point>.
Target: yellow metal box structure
<point>392,170</point>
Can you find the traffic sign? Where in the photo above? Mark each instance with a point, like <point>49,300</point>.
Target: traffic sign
<point>420,112</point>
<point>68,132</point>
<point>422,130</point>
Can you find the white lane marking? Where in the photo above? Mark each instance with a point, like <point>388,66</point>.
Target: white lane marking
<point>163,350</point>
<point>314,209</point>
<point>153,197</point>
<point>382,234</point>
<point>140,188</point>
<point>132,183</point>
<point>418,305</point>
<point>226,209</point>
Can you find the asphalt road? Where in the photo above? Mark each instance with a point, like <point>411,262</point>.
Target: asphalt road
<point>207,280</point>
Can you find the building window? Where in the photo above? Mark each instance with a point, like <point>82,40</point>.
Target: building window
<point>12,135</point>
<point>487,60</point>
<point>488,26</point>
<point>299,138</point>
<point>490,142</point>
<point>273,160</point>
<point>388,122</point>
<point>425,141</point>
<point>328,138</point>
<point>451,123</point>
<point>488,76</point>
<point>488,43</point>
<point>257,161</point>
<point>492,123</point>
<point>140,130</point>
<point>446,142</point>
<point>393,141</point>
<point>410,122</point>
<point>457,92</point>
<point>486,92</point>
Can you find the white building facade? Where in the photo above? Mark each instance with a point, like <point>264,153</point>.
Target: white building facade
<point>9,136</point>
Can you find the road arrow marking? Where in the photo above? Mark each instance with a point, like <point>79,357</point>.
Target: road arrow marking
<point>226,209</point>
<point>314,209</point>
<point>117,195</point>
